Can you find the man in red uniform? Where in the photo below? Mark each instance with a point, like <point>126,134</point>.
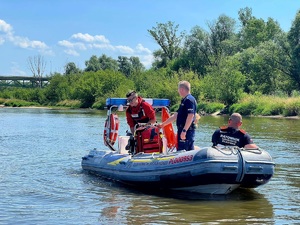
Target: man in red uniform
<point>138,111</point>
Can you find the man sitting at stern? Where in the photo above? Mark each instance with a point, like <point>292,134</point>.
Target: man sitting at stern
<point>232,135</point>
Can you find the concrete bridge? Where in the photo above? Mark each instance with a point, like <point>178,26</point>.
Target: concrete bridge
<point>20,81</point>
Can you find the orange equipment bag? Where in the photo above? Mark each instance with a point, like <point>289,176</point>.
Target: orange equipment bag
<point>148,139</point>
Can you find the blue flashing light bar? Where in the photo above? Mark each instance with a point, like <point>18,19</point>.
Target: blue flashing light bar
<point>155,102</point>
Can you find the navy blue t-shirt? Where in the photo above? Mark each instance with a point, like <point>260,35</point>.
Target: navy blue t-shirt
<point>187,106</point>
<point>232,137</point>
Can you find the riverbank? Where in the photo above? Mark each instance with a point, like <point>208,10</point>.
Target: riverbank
<point>217,113</point>
<point>249,105</point>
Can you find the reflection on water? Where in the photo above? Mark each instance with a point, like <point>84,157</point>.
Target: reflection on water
<point>132,206</point>
<point>41,180</point>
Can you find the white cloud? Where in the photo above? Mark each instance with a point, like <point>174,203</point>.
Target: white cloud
<point>79,42</point>
<point>102,46</point>
<point>66,44</point>
<point>71,52</point>
<point>22,42</point>
<point>90,38</point>
<point>125,49</point>
<point>38,44</point>
<point>5,27</point>
<point>146,60</point>
<point>72,45</point>
<point>1,40</point>
<point>91,42</point>
<point>141,48</point>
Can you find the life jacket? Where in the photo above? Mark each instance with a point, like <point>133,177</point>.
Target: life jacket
<point>225,129</point>
<point>139,117</point>
<point>148,139</point>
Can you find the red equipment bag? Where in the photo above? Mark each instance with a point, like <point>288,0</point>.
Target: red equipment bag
<point>148,139</point>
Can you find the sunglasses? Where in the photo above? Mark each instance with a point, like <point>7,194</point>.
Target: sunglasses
<point>130,93</point>
<point>131,100</point>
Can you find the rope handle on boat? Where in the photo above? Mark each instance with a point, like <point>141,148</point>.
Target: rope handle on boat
<point>252,150</point>
<point>234,150</point>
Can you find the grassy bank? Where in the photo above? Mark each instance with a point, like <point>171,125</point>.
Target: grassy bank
<point>17,103</point>
<point>256,105</point>
<point>72,104</point>
<point>267,106</point>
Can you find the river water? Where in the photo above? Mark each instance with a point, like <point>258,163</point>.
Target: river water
<point>41,180</point>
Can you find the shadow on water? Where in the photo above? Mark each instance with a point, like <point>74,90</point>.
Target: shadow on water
<point>130,205</point>
<point>239,194</point>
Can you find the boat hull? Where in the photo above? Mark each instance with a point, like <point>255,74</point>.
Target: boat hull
<point>207,170</point>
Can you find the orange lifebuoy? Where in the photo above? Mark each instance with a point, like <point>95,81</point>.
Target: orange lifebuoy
<point>115,129</point>
<point>111,128</point>
<point>168,130</point>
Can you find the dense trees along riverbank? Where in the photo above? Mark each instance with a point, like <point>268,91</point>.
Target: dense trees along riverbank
<point>250,65</point>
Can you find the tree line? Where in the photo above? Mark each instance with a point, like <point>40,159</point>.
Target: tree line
<point>224,63</point>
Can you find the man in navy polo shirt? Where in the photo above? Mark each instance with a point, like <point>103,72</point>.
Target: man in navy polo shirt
<point>185,118</point>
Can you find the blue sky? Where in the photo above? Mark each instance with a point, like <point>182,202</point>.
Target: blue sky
<point>65,31</point>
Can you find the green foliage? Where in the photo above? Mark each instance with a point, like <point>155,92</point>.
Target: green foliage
<point>167,37</point>
<point>210,107</point>
<point>2,100</point>
<point>156,84</point>
<point>75,104</point>
<point>293,37</point>
<point>129,66</point>
<point>108,63</point>
<point>295,93</point>
<point>205,50</point>
<point>246,105</point>
<point>244,108</point>
<point>267,106</point>
<point>60,88</point>
<point>225,83</point>
<point>19,103</point>
<point>113,84</point>
<point>71,68</point>
<point>100,104</point>
<point>175,107</point>
<point>27,94</point>
<point>86,88</point>
<point>268,109</point>
<point>292,107</point>
<point>92,64</point>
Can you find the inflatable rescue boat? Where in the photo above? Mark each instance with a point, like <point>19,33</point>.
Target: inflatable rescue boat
<point>148,159</point>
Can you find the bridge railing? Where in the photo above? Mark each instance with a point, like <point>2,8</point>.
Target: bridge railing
<point>20,81</point>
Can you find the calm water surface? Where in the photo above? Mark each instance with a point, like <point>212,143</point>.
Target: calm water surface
<point>41,180</point>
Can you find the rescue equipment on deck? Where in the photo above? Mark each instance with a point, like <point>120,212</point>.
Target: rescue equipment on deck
<point>148,139</point>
